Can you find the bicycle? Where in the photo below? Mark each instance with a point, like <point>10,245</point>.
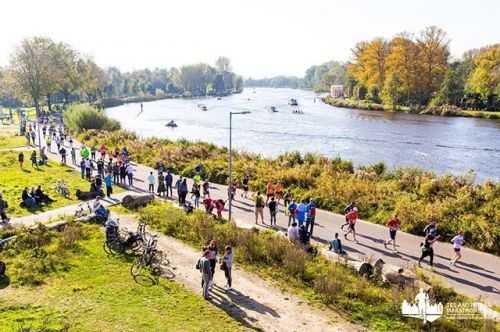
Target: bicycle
<point>118,241</point>
<point>153,259</point>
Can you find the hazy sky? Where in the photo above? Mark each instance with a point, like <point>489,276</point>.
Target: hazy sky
<point>262,37</point>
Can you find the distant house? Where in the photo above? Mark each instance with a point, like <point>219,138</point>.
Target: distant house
<point>337,91</point>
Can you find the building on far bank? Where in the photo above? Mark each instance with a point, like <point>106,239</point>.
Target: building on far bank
<point>337,91</point>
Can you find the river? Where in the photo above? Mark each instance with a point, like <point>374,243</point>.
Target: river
<point>446,145</point>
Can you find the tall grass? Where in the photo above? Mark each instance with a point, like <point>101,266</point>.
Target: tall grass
<point>416,195</point>
<point>81,117</point>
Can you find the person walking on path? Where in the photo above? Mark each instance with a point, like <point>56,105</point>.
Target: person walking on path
<point>73,156</point>
<point>34,162</point>
<point>88,169</point>
<point>245,187</point>
<point>3,209</point>
<point>130,174</point>
<point>63,155</point>
<point>20,159</point>
<point>178,184</point>
<point>206,273</point>
<point>48,142</point>
<point>227,265</point>
<point>311,216</point>
<point>161,185</point>
<point>272,211</point>
<point>269,191</point>
<point>151,182</point>
<point>458,242</point>
<point>301,213</point>
<point>352,218</point>
<point>184,191</point>
<point>108,181</point>
<point>212,257</point>
<point>195,193</point>
<point>169,179</point>
<point>394,225</point>
<point>292,209</point>
<point>259,208</point>
<point>82,168</point>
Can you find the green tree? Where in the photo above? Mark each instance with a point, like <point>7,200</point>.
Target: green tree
<point>393,91</point>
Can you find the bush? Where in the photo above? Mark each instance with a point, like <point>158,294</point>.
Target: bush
<point>81,117</point>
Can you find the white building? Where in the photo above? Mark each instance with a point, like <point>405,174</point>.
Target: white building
<point>337,91</point>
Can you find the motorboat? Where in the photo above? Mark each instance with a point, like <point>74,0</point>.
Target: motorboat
<point>171,124</point>
<point>273,109</point>
<point>293,102</point>
<point>202,107</point>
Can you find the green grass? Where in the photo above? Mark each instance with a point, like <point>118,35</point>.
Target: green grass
<point>14,179</point>
<point>8,142</point>
<point>95,292</point>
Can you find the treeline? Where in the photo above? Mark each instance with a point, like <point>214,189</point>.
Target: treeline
<point>43,72</point>
<point>318,78</point>
<point>417,71</point>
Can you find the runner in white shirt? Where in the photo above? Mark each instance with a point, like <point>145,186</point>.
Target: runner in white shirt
<point>458,242</point>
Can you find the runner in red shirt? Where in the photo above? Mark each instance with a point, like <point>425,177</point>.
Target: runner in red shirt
<point>394,224</point>
<point>352,217</point>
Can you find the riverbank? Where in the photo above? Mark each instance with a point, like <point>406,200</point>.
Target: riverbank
<point>416,195</point>
<point>113,102</point>
<point>436,110</point>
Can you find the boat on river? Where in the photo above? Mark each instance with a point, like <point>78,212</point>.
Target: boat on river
<point>293,102</point>
<point>171,124</point>
<point>273,109</point>
<point>202,107</point>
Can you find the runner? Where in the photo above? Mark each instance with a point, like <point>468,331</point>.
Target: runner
<point>458,242</point>
<point>278,190</point>
<point>259,208</point>
<point>394,224</point>
<point>347,209</point>
<point>352,217</point>
<point>427,249</point>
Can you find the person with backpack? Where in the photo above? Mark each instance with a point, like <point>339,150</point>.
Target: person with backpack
<point>203,265</point>
<point>272,211</point>
<point>259,208</point>
<point>226,266</point>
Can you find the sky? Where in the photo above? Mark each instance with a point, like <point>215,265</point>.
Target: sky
<point>262,38</point>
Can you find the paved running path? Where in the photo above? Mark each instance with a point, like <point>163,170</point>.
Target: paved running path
<point>477,275</point>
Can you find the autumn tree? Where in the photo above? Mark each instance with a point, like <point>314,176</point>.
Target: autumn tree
<point>433,54</point>
<point>485,77</point>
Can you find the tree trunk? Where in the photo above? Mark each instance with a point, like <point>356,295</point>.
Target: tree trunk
<point>49,105</point>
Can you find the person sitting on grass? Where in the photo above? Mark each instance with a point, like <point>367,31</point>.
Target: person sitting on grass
<point>27,200</point>
<point>41,197</point>
<point>293,233</point>
<point>336,245</point>
<point>3,209</point>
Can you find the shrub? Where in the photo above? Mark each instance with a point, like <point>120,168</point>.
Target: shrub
<point>81,117</point>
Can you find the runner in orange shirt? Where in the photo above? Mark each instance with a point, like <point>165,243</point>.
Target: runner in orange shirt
<point>269,191</point>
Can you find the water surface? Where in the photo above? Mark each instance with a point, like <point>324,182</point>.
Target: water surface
<point>445,145</point>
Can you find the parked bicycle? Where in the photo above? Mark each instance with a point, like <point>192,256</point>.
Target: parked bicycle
<point>118,240</point>
<point>152,258</point>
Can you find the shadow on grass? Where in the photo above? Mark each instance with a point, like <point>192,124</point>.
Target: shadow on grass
<point>4,281</point>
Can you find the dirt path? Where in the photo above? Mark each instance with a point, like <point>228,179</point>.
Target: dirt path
<point>255,302</point>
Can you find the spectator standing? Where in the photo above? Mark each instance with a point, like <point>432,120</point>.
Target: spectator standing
<point>259,208</point>
<point>311,216</point>
<point>272,211</point>
<point>169,179</point>
<point>108,181</point>
<point>206,273</point>
<point>227,265</point>
<point>3,209</point>
<point>151,182</point>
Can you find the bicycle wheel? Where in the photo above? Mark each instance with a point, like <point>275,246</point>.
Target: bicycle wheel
<point>136,267</point>
<point>114,247</point>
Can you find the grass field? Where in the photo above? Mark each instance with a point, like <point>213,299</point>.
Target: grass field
<point>14,179</point>
<point>9,138</point>
<point>90,291</point>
